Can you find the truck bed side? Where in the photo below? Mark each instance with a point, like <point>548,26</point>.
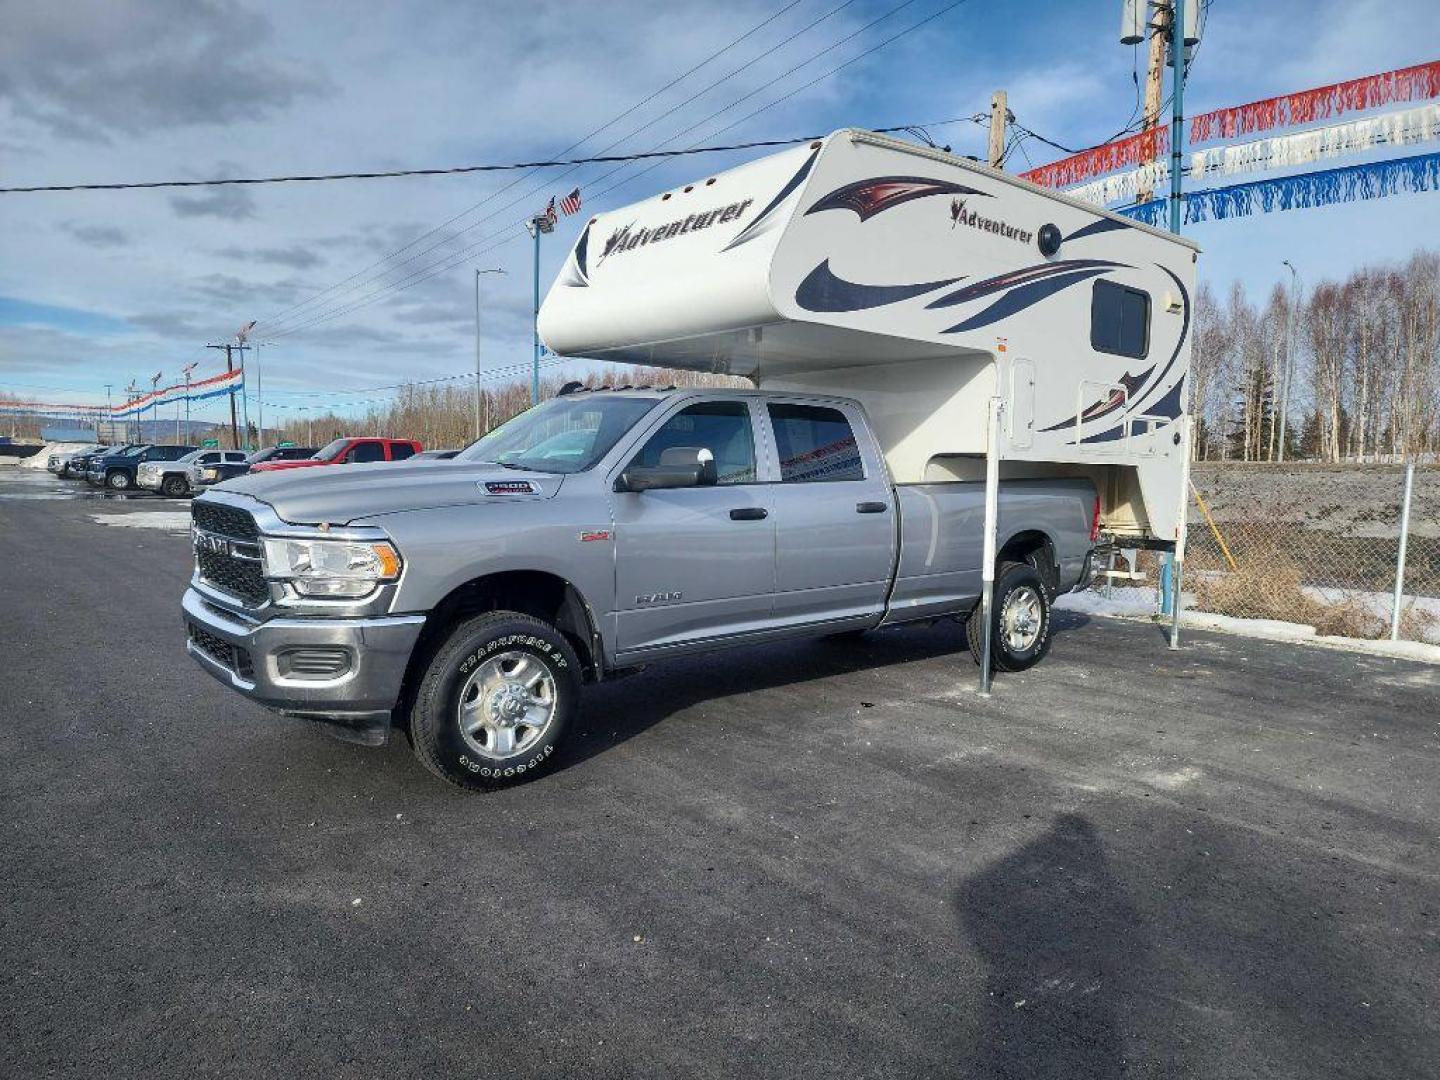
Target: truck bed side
<point>942,529</point>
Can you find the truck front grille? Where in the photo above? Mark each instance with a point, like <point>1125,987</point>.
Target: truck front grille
<point>225,520</point>
<point>227,553</point>
<point>222,652</point>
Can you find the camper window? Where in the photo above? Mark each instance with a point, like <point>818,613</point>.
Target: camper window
<point>815,444</point>
<point>722,427</point>
<point>1119,320</point>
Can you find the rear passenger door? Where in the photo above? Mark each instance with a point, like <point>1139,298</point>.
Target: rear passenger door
<point>361,452</point>
<point>834,515</point>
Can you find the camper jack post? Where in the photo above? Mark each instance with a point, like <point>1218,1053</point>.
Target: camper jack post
<point>1182,531</point>
<point>987,566</point>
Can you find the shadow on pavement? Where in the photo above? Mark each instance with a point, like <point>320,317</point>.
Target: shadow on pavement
<point>617,711</point>
<point>1059,939</point>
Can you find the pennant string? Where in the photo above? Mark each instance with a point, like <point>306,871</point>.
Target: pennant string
<point>1307,106</point>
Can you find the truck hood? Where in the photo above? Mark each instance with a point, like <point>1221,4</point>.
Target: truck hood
<point>291,463</point>
<point>346,493</point>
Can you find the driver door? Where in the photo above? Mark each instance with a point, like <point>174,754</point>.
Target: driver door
<point>696,563</point>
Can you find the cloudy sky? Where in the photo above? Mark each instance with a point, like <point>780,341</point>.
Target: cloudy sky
<point>107,287</point>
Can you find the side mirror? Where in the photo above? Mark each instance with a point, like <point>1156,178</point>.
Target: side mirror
<point>680,467</point>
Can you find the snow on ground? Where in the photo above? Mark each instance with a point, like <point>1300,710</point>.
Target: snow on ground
<point>168,520</point>
<point>38,461</point>
<point>1127,603</point>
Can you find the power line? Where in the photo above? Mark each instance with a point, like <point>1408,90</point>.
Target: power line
<point>338,290</point>
<point>506,167</point>
<point>280,317</point>
<point>449,261</point>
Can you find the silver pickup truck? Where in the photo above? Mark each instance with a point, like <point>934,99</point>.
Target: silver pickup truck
<point>469,600</point>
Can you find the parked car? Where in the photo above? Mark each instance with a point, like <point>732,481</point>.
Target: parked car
<point>117,472</point>
<point>79,465</point>
<point>205,475</point>
<point>56,463</point>
<point>348,451</point>
<point>172,478</point>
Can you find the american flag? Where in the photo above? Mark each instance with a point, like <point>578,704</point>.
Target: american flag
<point>550,210</point>
<point>571,203</point>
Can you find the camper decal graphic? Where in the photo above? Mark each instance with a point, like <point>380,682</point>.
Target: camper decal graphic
<point>628,238</point>
<point>1123,391</point>
<point>768,217</point>
<point>960,216</point>
<point>823,290</point>
<point>870,197</point>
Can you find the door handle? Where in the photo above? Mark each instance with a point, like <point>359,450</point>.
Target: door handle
<point>870,508</point>
<point>749,513</point>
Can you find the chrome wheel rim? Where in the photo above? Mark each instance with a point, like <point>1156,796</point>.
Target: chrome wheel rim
<point>117,480</point>
<point>1021,619</point>
<point>507,705</point>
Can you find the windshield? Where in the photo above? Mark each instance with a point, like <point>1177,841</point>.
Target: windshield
<point>193,455</point>
<point>563,435</point>
<point>331,449</point>
<point>133,451</point>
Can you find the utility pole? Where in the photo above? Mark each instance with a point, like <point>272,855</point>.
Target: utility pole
<point>230,366</point>
<point>130,391</point>
<point>999,117</point>
<point>1177,107</point>
<point>109,415</point>
<point>1158,27</point>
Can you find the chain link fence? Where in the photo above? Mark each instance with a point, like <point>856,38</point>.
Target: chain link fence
<point>1312,544</point>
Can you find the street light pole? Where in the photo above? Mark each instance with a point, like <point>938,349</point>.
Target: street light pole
<point>481,398</point>
<point>1289,355</point>
<point>540,223</point>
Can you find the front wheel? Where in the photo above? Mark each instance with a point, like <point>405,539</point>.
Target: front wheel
<point>495,701</point>
<point>118,481</point>
<point>1020,627</point>
<point>174,486</point>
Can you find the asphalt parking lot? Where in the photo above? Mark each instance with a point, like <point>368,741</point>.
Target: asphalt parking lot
<point>826,860</point>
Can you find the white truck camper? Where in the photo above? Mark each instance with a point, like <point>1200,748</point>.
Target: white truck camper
<point>992,329</point>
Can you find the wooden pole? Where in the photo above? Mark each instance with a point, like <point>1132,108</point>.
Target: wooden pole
<point>999,113</point>
<point>1154,86</point>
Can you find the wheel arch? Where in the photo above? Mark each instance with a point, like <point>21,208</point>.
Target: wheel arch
<point>1037,548</point>
<point>539,593</point>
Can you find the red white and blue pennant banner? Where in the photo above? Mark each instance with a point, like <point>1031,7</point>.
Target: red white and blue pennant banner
<point>227,382</point>
<point>1327,187</point>
<point>1404,128</point>
<point>1418,83</point>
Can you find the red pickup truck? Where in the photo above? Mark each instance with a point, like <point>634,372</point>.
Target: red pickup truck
<point>348,451</point>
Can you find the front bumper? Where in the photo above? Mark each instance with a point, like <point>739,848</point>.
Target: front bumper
<point>149,481</point>
<point>259,659</point>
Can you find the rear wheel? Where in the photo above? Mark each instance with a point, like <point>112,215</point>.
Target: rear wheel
<point>117,480</point>
<point>495,700</point>
<point>1020,627</point>
<point>174,486</point>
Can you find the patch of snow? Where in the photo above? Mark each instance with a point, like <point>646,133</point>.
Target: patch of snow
<point>1122,603</point>
<point>1270,629</point>
<point>1400,650</point>
<point>40,460</point>
<point>168,520</point>
<point>1169,781</point>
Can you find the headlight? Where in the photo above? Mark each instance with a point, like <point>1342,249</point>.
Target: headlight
<point>209,474</point>
<point>337,568</point>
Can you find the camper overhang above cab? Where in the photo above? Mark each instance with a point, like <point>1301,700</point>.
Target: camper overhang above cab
<point>920,283</point>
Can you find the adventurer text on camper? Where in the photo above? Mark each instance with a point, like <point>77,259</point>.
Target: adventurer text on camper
<point>959,216</point>
<point>624,239</point>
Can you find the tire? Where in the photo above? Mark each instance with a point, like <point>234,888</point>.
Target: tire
<point>174,486</point>
<point>117,480</point>
<point>484,663</point>
<point>1022,586</point>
